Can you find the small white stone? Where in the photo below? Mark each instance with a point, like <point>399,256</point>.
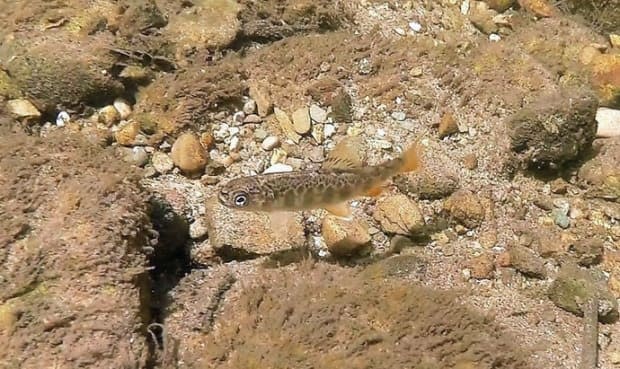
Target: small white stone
<point>380,132</point>
<point>329,130</point>
<point>608,122</point>
<point>270,142</point>
<point>318,114</point>
<point>238,117</point>
<point>62,119</point>
<point>249,107</point>
<point>465,7</point>
<point>162,162</point>
<point>234,131</point>
<point>399,115</point>
<point>234,143</point>
<point>123,107</point>
<point>415,26</point>
<point>494,37</point>
<point>278,168</point>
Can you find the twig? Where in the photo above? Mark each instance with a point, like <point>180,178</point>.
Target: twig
<point>589,349</point>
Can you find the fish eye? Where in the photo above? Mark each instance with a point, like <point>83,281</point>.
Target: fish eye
<point>241,199</point>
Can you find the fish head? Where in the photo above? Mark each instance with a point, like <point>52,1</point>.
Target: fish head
<point>244,194</point>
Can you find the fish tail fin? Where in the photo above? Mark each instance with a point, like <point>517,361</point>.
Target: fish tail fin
<point>412,158</point>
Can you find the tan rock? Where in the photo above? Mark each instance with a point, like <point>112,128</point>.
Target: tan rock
<point>109,116</point>
<point>287,125</point>
<point>188,154</point>
<point>540,8</point>
<point>500,5</point>
<point>527,261</point>
<point>447,125</point>
<point>605,70</point>
<point>470,161</point>
<point>127,133</point>
<point>399,214</point>
<point>23,108</point>
<point>243,233</point>
<point>344,237</point>
<point>482,267</point>
<point>261,96</point>
<point>301,121</point>
<point>466,208</point>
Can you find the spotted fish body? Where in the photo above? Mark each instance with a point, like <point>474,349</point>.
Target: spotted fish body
<point>337,182</point>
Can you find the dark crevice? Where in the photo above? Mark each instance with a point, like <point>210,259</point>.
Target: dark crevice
<point>169,262</point>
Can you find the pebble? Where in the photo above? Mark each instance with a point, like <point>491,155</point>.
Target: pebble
<point>608,122</point>
<point>527,261</point>
<point>252,119</point>
<point>470,161</point>
<point>239,117</point>
<point>399,31</point>
<point>221,133</point>
<point>127,132</point>
<point>287,125</point>
<point>278,168</point>
<point>260,134</point>
<point>278,156</point>
<point>329,130</point>
<point>135,155</point>
<point>447,125</point>
<point>344,237</point>
<point>494,37</point>
<point>197,230</point>
<point>399,116</point>
<point>318,133</point>
<point>270,143</point>
<point>415,26</point>
<point>109,116</point>
<point>318,114</point>
<point>249,107</point>
<point>466,208</point>
<point>162,162</point>
<point>62,119</point>
<point>301,121</point>
<point>188,154</point>
<point>234,143</point>
<point>482,267</point>
<point>123,107</point>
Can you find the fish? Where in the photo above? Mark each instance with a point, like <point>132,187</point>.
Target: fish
<point>341,178</point>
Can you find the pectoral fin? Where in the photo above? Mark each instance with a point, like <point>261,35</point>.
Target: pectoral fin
<point>375,191</point>
<point>341,210</point>
<point>345,155</point>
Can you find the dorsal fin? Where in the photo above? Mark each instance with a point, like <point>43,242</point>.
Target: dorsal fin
<point>345,155</point>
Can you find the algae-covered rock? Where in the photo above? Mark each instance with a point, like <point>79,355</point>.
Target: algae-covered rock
<point>602,172</point>
<point>554,129</point>
<point>573,287</point>
<point>61,70</point>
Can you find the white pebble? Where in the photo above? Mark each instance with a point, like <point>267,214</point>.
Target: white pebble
<point>494,37</point>
<point>62,119</point>
<point>399,115</point>
<point>318,114</point>
<point>278,168</point>
<point>329,131</point>
<point>249,107</point>
<point>234,131</point>
<point>270,142</point>
<point>608,122</point>
<point>415,26</point>
<point>234,143</point>
<point>238,117</point>
<point>123,107</point>
<point>399,31</point>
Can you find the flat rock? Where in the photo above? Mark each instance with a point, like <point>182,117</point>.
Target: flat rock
<point>260,94</point>
<point>398,214</point>
<point>286,125</point>
<point>162,162</point>
<point>318,114</point>
<point>241,234</point>
<point>23,108</point>
<point>301,121</point>
<point>527,261</point>
<point>466,208</point>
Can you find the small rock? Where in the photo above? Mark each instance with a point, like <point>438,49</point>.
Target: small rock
<point>249,107</point>
<point>399,31</point>
<point>23,108</point>
<point>239,117</point>
<point>127,133</point>
<point>260,134</point>
<point>399,214</point>
<point>608,122</point>
<point>415,26</point>
<point>109,116</point>
<point>188,154</point>
<point>197,230</point>
<point>482,267</point>
<point>470,161</point>
<point>574,286</point>
<point>234,144</point>
<point>270,143</point>
<point>162,162</point>
<point>278,156</point>
<point>318,133</point>
<point>207,140</point>
<point>318,114</point>
<point>262,99</point>
<point>329,130</point>
<point>447,125</point>
<point>494,37</point>
<point>252,119</point>
<point>540,8</point>
<point>560,218</point>
<point>527,261</point>
<point>62,119</point>
<point>287,125</point>
<point>301,121</point>
<point>416,72</point>
<point>466,208</point>
<point>399,116</point>
<point>134,155</point>
<point>482,17</point>
<point>123,107</point>
<point>278,168</point>
<point>588,251</point>
<point>500,5</point>
<point>149,172</point>
<point>344,237</point>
